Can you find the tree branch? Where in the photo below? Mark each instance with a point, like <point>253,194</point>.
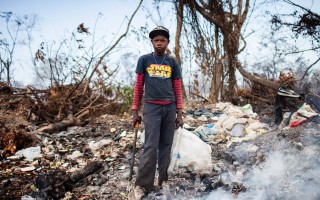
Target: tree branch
<point>303,8</point>
<point>301,51</point>
<point>245,12</point>
<point>208,16</point>
<point>244,42</point>
<point>265,82</point>
<point>306,72</point>
<point>202,97</point>
<point>113,46</point>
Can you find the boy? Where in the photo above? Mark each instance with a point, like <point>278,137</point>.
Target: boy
<point>161,77</point>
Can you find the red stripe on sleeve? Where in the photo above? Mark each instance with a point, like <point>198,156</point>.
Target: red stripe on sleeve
<point>178,91</point>
<point>138,92</point>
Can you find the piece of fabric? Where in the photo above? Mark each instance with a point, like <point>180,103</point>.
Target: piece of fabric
<point>159,122</point>
<point>138,91</point>
<point>177,88</point>
<point>304,113</point>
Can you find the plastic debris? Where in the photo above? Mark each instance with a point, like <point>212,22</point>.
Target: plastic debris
<point>301,115</point>
<point>29,153</point>
<point>75,155</point>
<point>27,197</point>
<point>238,131</point>
<point>96,145</point>
<point>188,151</point>
<point>28,168</point>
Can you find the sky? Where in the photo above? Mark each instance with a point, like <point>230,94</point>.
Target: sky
<point>59,16</point>
<point>57,19</point>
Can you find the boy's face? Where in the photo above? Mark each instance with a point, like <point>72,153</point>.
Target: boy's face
<point>160,44</point>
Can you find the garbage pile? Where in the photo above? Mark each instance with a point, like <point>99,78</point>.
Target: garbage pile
<point>257,160</point>
<point>92,161</point>
<point>72,163</point>
<point>226,121</point>
<point>281,164</point>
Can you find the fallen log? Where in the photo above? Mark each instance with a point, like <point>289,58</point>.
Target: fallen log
<point>253,97</point>
<point>259,80</point>
<point>86,171</point>
<point>56,183</point>
<point>64,124</point>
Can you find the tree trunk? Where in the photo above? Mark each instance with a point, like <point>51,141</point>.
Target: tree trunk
<point>220,13</point>
<point>179,8</point>
<point>255,79</point>
<point>231,45</point>
<point>8,73</point>
<point>230,24</point>
<point>222,81</point>
<point>216,79</point>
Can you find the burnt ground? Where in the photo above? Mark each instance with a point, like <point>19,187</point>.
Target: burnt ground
<point>104,145</point>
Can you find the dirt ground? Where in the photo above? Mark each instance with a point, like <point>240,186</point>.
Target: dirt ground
<point>92,161</point>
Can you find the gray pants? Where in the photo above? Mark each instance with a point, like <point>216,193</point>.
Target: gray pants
<point>159,122</point>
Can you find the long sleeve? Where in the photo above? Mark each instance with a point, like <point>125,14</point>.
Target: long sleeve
<point>138,91</point>
<point>178,91</point>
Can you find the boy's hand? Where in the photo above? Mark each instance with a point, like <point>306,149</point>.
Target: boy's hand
<point>135,118</point>
<point>179,120</point>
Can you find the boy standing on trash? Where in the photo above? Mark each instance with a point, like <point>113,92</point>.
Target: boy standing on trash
<point>160,76</point>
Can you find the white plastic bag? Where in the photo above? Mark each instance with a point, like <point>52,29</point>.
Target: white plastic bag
<point>29,153</point>
<point>189,151</point>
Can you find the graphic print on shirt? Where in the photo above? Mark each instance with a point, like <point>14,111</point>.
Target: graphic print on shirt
<point>159,71</point>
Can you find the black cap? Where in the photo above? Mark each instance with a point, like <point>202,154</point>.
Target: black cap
<point>160,30</point>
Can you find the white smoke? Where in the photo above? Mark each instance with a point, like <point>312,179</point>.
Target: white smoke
<point>287,173</point>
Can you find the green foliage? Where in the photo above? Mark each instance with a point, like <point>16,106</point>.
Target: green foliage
<point>124,97</point>
<point>128,94</point>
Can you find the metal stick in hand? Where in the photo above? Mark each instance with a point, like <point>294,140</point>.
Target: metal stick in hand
<point>136,128</point>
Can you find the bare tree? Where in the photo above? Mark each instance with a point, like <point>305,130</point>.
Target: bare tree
<point>15,27</point>
<point>74,61</point>
<point>7,46</point>
<point>305,23</point>
<point>226,20</point>
<point>108,50</point>
<point>229,17</point>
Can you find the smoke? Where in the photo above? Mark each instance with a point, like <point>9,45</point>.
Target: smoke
<point>287,173</point>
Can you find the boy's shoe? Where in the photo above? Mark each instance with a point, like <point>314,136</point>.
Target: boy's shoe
<point>136,193</point>
<point>287,93</point>
<point>164,189</point>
